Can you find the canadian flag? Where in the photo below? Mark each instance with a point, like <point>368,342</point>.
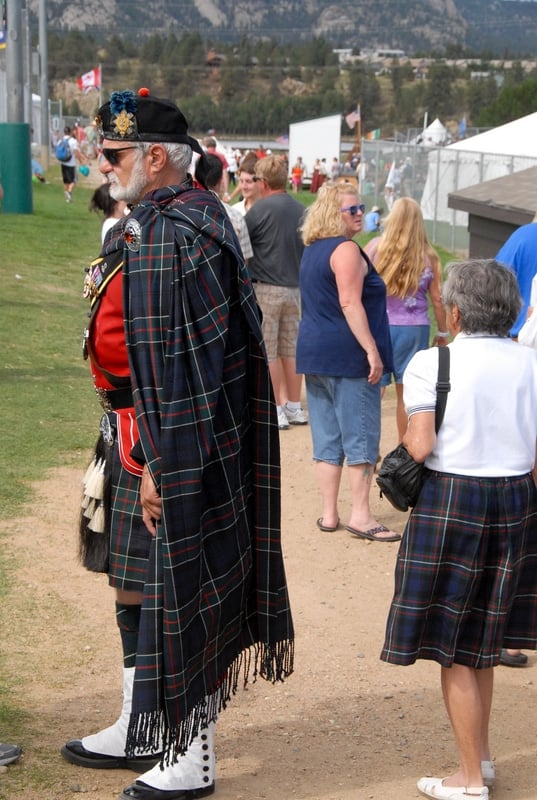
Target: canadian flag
<point>90,80</point>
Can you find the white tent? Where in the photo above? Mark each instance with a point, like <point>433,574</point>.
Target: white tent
<point>501,151</point>
<point>517,138</point>
<point>434,134</point>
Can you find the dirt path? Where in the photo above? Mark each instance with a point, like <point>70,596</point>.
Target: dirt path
<point>344,726</point>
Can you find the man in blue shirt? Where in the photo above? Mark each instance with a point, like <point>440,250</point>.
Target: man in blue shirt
<point>519,253</point>
<point>372,220</point>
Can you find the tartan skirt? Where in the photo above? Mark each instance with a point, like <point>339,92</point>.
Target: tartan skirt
<point>130,541</point>
<point>466,573</point>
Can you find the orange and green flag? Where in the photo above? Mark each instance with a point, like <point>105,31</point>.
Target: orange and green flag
<point>373,134</point>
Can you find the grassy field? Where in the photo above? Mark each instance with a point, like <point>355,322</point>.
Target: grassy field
<point>49,410</point>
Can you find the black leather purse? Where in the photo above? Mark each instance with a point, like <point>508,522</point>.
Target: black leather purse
<point>400,477</point>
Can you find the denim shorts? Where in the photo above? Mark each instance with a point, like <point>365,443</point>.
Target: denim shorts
<point>344,416</point>
<point>406,340</point>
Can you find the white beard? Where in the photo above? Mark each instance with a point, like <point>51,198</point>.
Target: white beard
<point>135,188</point>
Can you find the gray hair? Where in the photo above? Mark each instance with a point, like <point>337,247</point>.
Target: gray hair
<point>180,155</point>
<point>486,294</point>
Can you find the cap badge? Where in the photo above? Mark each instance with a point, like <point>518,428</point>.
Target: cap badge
<point>124,124</point>
<point>123,109</point>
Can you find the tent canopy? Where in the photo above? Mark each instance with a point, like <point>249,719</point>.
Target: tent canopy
<point>516,138</point>
<point>501,151</point>
<point>434,134</point>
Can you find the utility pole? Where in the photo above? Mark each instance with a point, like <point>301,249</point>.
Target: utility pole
<point>28,59</point>
<point>15,151</point>
<point>14,63</point>
<point>43,84</point>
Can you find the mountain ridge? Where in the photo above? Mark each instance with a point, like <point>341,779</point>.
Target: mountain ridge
<point>499,26</point>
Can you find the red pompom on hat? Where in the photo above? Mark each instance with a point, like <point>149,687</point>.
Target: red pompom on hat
<point>144,92</point>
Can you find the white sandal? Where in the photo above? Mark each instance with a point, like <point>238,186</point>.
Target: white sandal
<point>434,787</point>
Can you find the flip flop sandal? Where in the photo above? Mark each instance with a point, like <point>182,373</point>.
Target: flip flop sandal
<point>326,527</point>
<point>371,534</point>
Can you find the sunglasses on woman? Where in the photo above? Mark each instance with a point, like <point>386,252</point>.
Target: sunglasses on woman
<point>353,210</point>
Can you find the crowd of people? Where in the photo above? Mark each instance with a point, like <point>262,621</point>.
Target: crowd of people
<point>205,314</point>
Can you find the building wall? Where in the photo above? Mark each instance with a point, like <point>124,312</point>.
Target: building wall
<point>487,236</point>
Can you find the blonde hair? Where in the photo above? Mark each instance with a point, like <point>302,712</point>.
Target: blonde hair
<point>323,218</point>
<point>404,249</point>
<point>273,170</point>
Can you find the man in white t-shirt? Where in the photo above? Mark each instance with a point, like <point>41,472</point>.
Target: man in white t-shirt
<point>69,167</point>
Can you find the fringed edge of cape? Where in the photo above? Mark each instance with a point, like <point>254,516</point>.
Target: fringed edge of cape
<point>148,733</point>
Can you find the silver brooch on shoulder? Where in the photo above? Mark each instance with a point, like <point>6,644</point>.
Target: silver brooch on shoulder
<point>133,234</point>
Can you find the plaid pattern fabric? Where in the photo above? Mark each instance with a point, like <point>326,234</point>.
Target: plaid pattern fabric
<point>466,573</point>
<point>130,541</point>
<point>216,584</point>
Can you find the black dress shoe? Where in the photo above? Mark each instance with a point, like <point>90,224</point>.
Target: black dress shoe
<point>75,752</point>
<point>141,791</point>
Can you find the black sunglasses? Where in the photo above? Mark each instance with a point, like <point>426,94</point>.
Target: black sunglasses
<point>353,210</point>
<point>111,154</point>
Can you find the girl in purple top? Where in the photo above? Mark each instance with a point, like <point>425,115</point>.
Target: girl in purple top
<point>412,273</point>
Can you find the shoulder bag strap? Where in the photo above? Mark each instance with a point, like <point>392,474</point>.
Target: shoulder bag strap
<point>443,386</point>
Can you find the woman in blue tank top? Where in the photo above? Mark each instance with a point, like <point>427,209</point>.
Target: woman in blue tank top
<point>343,349</point>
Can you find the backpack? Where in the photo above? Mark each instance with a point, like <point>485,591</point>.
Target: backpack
<point>63,151</point>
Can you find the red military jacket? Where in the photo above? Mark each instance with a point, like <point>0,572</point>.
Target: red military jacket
<point>104,343</point>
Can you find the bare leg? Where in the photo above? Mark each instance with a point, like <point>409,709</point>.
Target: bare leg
<point>485,684</point>
<point>360,476</point>
<point>293,382</point>
<point>468,698</point>
<point>278,382</point>
<point>329,478</point>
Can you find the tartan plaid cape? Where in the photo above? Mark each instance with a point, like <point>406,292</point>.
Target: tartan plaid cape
<point>215,601</point>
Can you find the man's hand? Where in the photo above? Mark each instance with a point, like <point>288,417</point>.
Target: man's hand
<point>151,501</point>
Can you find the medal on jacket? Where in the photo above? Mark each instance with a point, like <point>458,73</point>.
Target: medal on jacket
<point>94,277</point>
<point>99,273</point>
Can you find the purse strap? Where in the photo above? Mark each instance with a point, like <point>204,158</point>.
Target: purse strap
<point>443,386</point>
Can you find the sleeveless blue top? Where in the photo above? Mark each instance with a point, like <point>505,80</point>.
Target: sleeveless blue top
<point>326,344</point>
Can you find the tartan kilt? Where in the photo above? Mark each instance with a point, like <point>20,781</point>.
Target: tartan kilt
<point>130,541</point>
<point>466,573</point>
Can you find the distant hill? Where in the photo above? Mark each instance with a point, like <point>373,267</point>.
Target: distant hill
<point>503,27</point>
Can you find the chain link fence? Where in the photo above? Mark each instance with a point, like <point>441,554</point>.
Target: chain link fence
<point>429,174</point>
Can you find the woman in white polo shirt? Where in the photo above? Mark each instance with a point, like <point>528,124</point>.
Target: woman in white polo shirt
<point>466,577</point>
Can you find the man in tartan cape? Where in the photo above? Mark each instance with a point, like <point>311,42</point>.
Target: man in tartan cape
<point>213,603</point>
